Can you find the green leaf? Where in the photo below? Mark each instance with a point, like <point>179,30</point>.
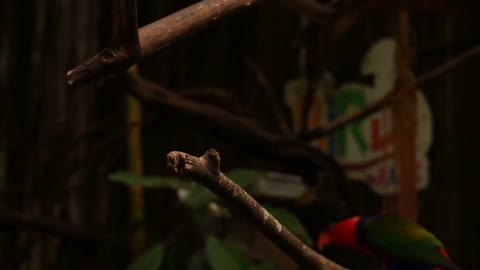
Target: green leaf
<point>199,196</point>
<point>289,220</point>
<point>131,179</point>
<point>150,260</point>
<point>222,255</point>
<point>244,177</point>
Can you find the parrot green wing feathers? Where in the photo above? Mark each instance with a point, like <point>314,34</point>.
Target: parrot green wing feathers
<point>402,238</point>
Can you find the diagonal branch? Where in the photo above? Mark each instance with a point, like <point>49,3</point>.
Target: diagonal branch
<point>206,170</point>
<point>449,65</point>
<point>163,32</point>
<point>240,130</point>
<point>348,118</point>
<point>278,112</point>
<point>123,52</point>
<point>152,37</point>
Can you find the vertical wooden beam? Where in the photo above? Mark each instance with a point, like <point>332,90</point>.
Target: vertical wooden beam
<point>404,110</point>
<point>135,162</point>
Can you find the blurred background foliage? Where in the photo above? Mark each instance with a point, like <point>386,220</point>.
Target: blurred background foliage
<point>64,189</point>
<point>207,223</point>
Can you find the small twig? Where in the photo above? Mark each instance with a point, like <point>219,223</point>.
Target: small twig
<point>449,65</point>
<point>206,170</point>
<point>438,71</point>
<point>278,112</point>
<point>307,105</point>
<point>348,118</point>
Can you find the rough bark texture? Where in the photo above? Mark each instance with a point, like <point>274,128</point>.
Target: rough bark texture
<point>206,169</point>
<point>152,38</point>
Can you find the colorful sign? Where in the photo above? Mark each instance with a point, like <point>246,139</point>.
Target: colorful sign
<point>364,147</point>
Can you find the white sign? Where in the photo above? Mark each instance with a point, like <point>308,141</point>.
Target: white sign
<point>365,147</point>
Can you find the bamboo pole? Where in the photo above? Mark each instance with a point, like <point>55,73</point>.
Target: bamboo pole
<point>135,162</point>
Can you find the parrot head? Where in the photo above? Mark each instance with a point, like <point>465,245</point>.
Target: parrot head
<point>342,233</point>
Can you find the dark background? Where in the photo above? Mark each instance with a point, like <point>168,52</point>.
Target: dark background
<point>58,146</point>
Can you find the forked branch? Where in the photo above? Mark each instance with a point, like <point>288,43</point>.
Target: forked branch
<point>206,170</point>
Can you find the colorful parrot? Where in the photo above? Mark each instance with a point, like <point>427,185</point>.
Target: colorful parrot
<point>400,243</point>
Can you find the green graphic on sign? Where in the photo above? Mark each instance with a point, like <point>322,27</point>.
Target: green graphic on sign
<point>364,147</point>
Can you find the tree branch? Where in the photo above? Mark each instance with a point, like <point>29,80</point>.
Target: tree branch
<point>128,46</point>
<point>206,170</point>
<point>152,37</point>
<point>278,112</point>
<point>123,52</point>
<point>163,32</point>
<point>438,71</point>
<point>449,65</point>
<point>298,155</point>
<point>443,6</point>
<point>348,118</point>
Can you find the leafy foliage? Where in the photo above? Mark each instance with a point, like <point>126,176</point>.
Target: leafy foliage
<point>245,177</point>
<point>131,179</point>
<point>216,254</point>
<point>222,255</point>
<point>289,220</point>
<point>152,259</point>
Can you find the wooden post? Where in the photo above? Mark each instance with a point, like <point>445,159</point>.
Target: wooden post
<point>404,109</point>
<point>135,162</point>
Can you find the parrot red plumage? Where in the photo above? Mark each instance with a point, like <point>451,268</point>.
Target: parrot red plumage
<point>400,243</point>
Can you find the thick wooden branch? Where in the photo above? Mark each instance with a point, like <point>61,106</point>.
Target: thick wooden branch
<point>206,170</point>
<point>162,33</point>
<point>159,34</point>
<point>240,130</point>
<point>123,52</point>
<point>152,37</point>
